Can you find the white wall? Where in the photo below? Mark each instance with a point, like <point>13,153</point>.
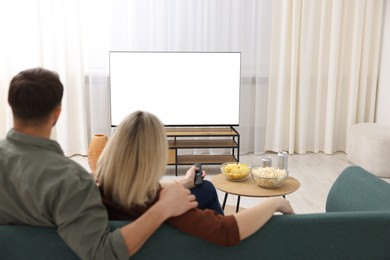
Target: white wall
<point>383,95</point>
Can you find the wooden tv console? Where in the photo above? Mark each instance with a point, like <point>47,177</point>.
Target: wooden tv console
<point>180,138</point>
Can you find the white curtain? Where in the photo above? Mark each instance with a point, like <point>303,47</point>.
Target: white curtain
<point>192,25</point>
<point>324,72</point>
<point>74,37</point>
<point>45,33</point>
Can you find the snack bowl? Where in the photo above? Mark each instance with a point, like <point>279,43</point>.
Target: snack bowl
<point>235,171</point>
<point>269,177</point>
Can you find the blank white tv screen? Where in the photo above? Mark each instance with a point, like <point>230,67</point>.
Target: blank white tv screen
<point>181,88</point>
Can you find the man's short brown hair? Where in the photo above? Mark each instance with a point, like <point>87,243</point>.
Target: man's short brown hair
<point>34,93</point>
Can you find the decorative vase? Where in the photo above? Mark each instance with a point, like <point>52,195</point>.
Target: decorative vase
<point>96,146</point>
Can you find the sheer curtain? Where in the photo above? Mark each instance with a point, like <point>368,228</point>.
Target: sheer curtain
<point>324,72</point>
<point>192,25</point>
<point>74,37</point>
<point>46,34</point>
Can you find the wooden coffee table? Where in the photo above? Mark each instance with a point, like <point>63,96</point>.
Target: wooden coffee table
<point>249,188</point>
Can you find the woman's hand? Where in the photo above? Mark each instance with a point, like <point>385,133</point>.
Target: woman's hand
<point>189,178</point>
<point>283,206</point>
<point>187,181</point>
<point>252,219</point>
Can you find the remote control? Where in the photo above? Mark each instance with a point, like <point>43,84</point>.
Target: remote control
<point>198,174</point>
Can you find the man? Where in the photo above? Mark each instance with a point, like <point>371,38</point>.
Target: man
<point>39,186</point>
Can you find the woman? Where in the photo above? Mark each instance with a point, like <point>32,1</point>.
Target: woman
<point>129,171</point>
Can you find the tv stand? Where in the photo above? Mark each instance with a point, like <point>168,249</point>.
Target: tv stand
<point>181,138</point>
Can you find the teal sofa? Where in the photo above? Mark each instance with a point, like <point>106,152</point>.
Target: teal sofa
<point>356,225</point>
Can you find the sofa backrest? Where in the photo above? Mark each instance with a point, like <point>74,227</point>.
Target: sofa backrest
<point>358,190</point>
<point>28,242</point>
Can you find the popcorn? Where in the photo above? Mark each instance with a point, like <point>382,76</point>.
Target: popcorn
<point>269,177</point>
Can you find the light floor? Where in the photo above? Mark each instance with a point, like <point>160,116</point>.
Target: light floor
<point>315,172</point>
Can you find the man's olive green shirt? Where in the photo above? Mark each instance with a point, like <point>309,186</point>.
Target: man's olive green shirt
<point>39,186</point>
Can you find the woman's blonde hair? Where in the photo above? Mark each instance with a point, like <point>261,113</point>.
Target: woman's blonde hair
<point>134,160</point>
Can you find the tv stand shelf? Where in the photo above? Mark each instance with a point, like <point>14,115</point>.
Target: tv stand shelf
<point>182,138</point>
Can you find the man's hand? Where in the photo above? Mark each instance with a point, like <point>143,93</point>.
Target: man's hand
<point>176,199</point>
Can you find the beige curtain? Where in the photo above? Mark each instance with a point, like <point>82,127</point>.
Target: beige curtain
<point>324,71</point>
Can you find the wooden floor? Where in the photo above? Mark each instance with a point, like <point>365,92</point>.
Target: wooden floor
<point>316,173</point>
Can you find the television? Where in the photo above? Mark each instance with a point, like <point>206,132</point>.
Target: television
<point>181,88</point>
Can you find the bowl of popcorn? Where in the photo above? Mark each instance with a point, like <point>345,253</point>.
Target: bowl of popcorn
<point>269,177</point>
<point>235,171</point>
